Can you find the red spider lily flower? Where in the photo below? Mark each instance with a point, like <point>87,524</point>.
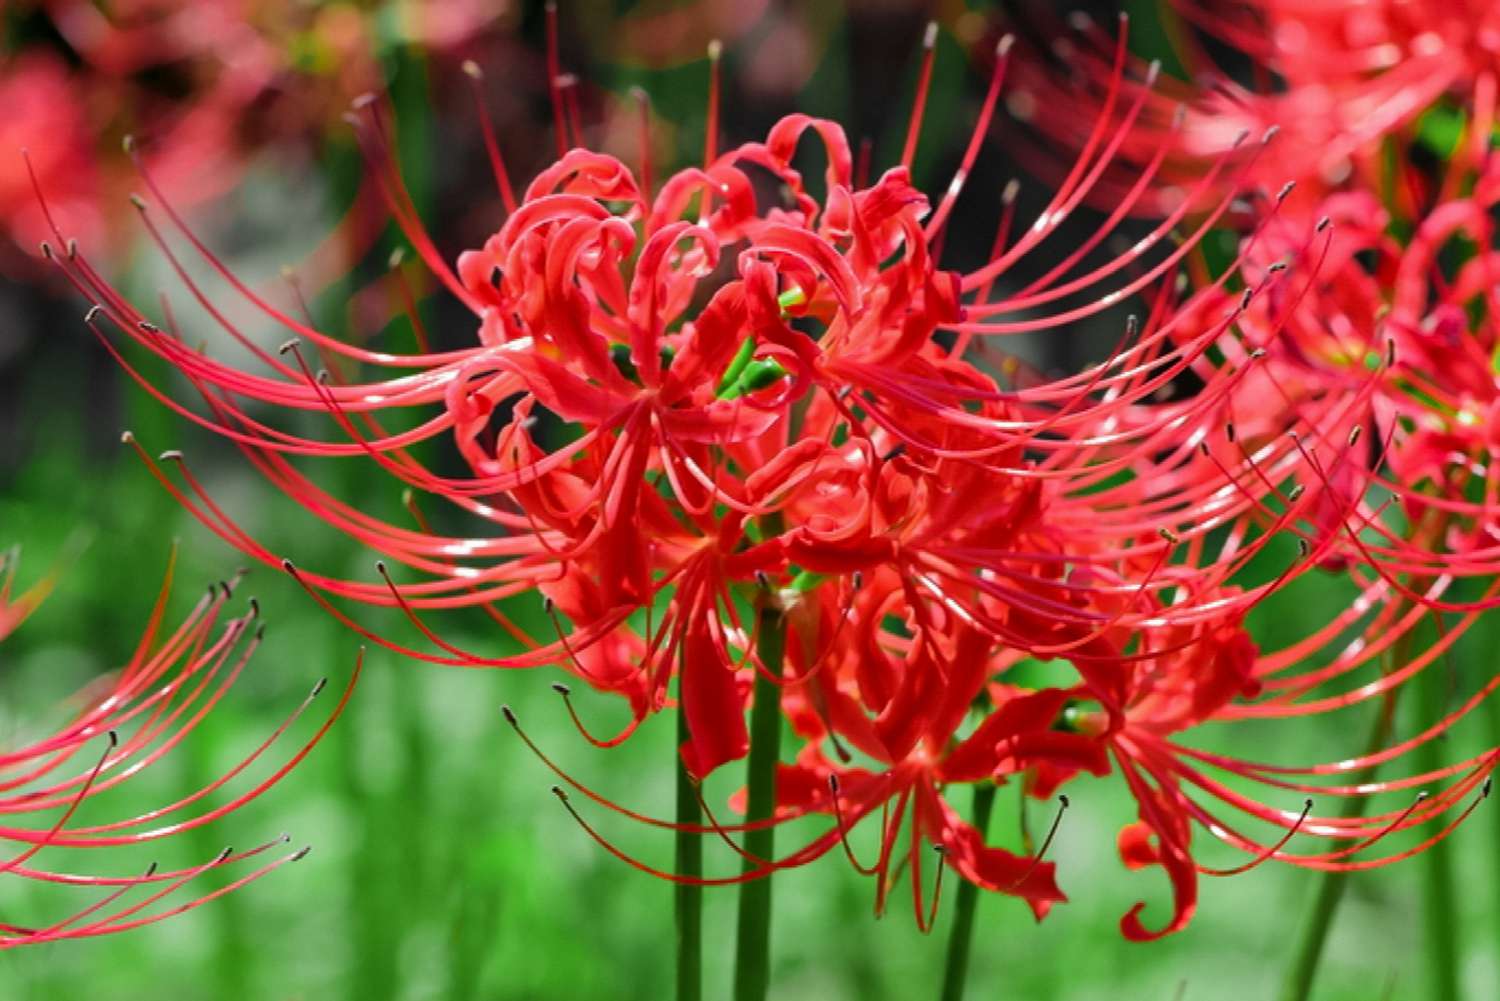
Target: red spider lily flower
<point>686,399</point>
<point>124,725</point>
<point>1338,79</point>
<point>920,695</point>
<point>575,325</point>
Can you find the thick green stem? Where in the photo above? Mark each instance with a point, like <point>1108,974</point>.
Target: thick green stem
<point>689,862</point>
<point>961,938</point>
<point>752,960</point>
<point>1439,895</point>
<point>1331,884</point>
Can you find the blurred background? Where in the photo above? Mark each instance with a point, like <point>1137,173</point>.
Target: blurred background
<point>442,868</point>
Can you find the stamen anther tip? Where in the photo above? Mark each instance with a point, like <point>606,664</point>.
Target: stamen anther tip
<point>561,689</point>
<point>509,714</point>
<point>929,36</point>
<point>472,70</point>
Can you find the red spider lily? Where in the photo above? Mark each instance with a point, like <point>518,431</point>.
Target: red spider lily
<point>1339,79</point>
<point>689,398</point>
<point>125,724</point>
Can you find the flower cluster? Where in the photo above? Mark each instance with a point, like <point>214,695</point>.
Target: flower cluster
<point>761,453</point>
<point>124,724</point>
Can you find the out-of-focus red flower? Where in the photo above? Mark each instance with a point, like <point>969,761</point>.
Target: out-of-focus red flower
<point>203,86</point>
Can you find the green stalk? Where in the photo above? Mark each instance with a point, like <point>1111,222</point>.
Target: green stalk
<point>1439,895</point>
<point>961,937</point>
<point>688,898</point>
<point>1330,893</point>
<point>752,959</point>
<point>1331,884</point>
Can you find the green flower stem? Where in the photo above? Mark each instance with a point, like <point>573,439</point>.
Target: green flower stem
<point>1439,894</point>
<point>689,862</point>
<point>752,961</point>
<point>1330,892</point>
<point>961,937</point>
